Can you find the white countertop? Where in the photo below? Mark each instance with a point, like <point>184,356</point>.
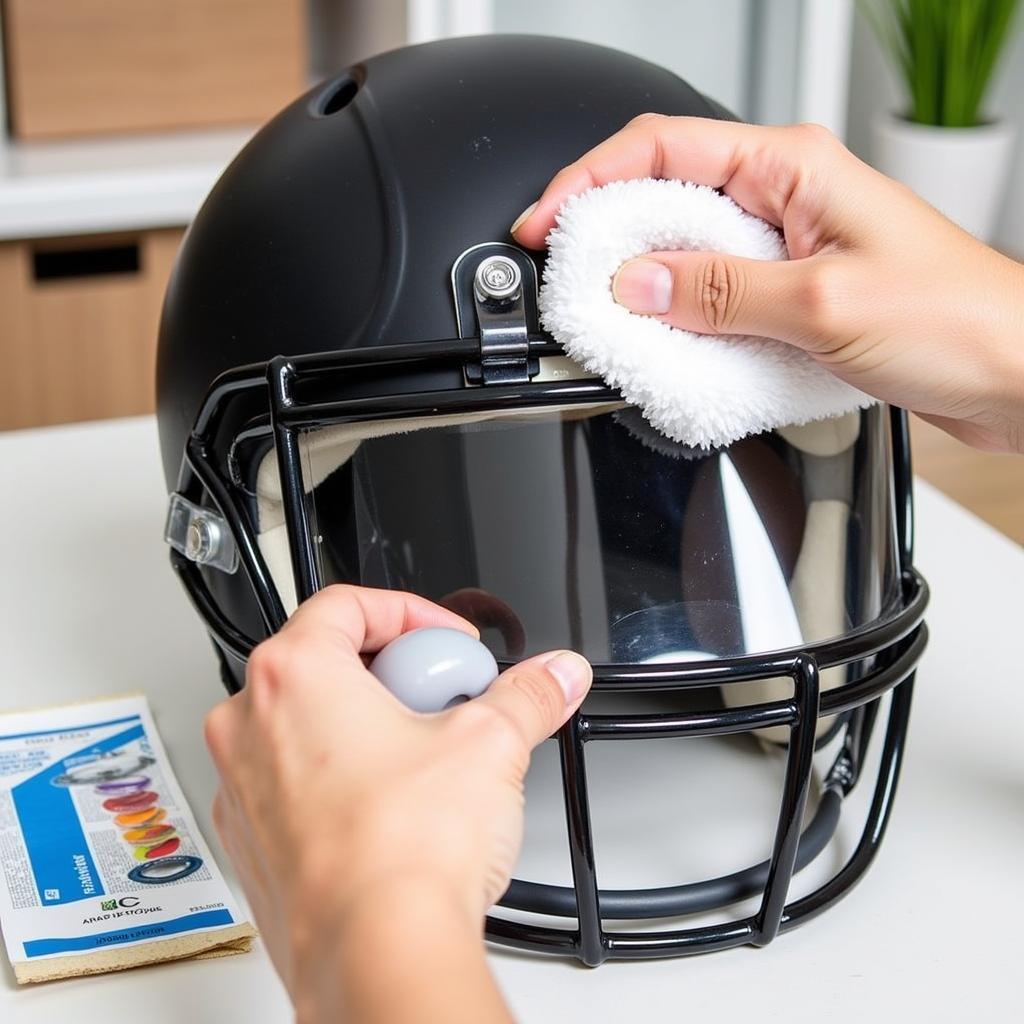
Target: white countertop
<point>90,607</point>
<point>116,183</point>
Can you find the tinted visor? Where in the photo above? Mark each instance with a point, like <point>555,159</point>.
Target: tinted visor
<point>582,529</point>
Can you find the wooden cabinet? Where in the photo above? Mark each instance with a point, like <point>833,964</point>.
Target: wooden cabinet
<point>77,66</point>
<point>78,326</point>
<point>990,485</point>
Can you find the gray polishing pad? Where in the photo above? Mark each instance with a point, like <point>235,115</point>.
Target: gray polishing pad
<point>434,668</point>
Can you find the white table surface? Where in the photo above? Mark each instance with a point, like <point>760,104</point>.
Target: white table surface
<point>88,607</point>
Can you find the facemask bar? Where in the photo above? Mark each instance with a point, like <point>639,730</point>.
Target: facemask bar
<point>592,944</point>
<point>897,638</point>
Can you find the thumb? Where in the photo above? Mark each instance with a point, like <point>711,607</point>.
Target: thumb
<point>715,293</point>
<point>538,695</point>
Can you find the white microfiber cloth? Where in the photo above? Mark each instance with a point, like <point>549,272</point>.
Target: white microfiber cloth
<point>700,390</point>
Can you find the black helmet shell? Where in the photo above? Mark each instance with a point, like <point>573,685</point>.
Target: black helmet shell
<point>337,225</point>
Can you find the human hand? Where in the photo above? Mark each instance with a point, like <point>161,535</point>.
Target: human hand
<point>880,288</point>
<point>339,805</point>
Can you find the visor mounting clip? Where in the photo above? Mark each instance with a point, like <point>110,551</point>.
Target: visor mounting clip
<point>200,534</point>
<point>495,289</point>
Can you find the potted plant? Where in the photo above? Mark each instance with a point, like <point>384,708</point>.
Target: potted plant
<point>943,146</point>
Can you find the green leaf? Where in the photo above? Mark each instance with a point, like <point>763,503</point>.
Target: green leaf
<point>945,52</point>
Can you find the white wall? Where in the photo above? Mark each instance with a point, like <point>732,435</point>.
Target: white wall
<point>345,31</point>
<point>774,70</point>
<point>1008,99</point>
<point>874,88</point>
<point>772,62</point>
<point>705,43</point>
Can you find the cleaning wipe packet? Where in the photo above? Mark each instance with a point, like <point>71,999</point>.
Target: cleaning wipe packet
<point>102,866</point>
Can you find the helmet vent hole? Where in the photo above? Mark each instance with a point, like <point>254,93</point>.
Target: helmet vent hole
<point>338,96</point>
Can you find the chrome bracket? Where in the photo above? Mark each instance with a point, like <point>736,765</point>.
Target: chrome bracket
<point>494,285</point>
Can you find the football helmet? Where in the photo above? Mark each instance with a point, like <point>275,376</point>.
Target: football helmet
<point>353,386</point>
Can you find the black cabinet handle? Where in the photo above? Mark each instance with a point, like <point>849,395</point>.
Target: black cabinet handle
<point>85,261</point>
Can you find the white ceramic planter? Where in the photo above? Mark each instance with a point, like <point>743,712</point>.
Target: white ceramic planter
<point>961,171</point>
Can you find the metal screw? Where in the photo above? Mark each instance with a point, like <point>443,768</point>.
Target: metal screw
<point>201,540</point>
<point>498,278</point>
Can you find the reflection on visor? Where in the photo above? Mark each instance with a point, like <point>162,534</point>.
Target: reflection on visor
<point>566,529</point>
<point>657,635</point>
<point>767,616</point>
<point>486,611</point>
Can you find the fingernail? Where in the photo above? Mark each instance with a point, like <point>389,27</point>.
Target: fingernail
<point>573,674</point>
<point>643,286</point>
<point>522,218</point>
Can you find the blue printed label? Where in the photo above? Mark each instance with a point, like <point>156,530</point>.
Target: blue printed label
<point>61,862</point>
